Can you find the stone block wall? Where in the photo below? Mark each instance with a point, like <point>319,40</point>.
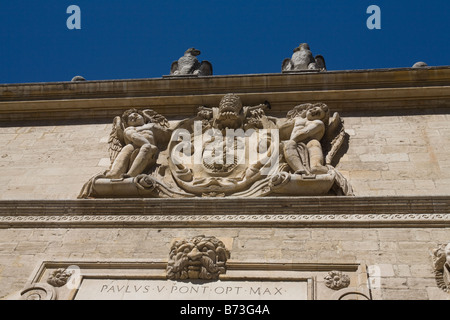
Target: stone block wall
<point>388,155</point>
<point>50,161</point>
<point>398,122</point>
<point>398,259</point>
<point>398,155</point>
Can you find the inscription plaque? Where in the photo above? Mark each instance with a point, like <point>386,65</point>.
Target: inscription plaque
<point>124,289</point>
<point>147,280</point>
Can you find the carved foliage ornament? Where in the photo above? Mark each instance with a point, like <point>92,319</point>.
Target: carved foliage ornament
<point>337,280</point>
<point>228,150</point>
<point>59,277</point>
<point>441,264</point>
<point>197,258</point>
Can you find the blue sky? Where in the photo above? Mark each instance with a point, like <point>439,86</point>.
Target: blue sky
<point>140,39</point>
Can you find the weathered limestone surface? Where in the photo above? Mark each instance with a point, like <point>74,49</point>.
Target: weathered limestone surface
<point>398,259</point>
<point>397,120</point>
<point>353,90</point>
<point>50,161</point>
<point>388,155</point>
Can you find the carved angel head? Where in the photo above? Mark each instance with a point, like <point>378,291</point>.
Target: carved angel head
<point>133,118</point>
<point>311,111</point>
<point>318,111</point>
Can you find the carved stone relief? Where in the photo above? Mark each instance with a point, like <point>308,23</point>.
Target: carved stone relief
<point>197,258</point>
<point>337,280</point>
<point>420,64</point>
<point>189,65</point>
<point>59,277</point>
<point>441,264</point>
<point>228,150</point>
<point>38,291</point>
<point>78,78</point>
<point>303,59</point>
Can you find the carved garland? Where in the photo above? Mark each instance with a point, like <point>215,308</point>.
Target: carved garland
<point>337,280</point>
<point>59,277</point>
<point>370,218</point>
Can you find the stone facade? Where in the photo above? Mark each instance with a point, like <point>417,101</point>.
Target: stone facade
<point>397,162</point>
<point>401,254</point>
<point>388,155</point>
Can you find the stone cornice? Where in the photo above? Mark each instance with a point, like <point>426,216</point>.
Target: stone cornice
<point>228,212</point>
<point>357,90</point>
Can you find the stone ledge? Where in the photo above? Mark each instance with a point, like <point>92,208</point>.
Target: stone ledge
<point>176,85</point>
<point>280,212</point>
<point>350,91</point>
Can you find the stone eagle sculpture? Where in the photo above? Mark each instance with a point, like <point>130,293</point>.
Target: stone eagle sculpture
<point>189,65</point>
<point>303,59</point>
